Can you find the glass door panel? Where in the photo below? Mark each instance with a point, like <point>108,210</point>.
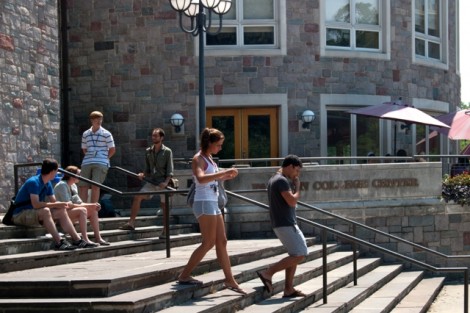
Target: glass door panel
<point>339,135</point>
<point>249,133</point>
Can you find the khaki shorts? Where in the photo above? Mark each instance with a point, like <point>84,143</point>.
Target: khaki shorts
<point>152,187</point>
<point>95,172</point>
<point>27,218</point>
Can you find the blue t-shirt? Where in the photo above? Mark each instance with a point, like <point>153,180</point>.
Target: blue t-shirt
<point>33,186</point>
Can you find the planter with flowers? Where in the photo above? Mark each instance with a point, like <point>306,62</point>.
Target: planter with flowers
<point>457,189</point>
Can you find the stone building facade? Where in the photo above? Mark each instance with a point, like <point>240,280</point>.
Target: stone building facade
<point>130,60</point>
<point>30,101</point>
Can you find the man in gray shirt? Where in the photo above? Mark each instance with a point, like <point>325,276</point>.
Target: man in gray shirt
<point>283,194</point>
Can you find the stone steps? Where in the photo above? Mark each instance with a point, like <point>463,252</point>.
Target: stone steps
<point>135,275</point>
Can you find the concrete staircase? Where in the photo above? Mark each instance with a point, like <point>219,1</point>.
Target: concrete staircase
<point>134,275</point>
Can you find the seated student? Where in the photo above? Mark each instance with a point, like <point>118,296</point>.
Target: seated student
<point>33,210</point>
<point>66,190</point>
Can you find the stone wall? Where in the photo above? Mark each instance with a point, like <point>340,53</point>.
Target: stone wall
<point>30,110</point>
<point>402,199</point>
<point>130,60</point>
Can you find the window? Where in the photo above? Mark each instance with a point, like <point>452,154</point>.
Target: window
<point>428,29</point>
<point>430,39</point>
<point>354,25</point>
<point>249,25</point>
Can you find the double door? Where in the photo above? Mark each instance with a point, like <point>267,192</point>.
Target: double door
<point>249,132</point>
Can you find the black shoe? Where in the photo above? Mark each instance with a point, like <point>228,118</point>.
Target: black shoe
<point>83,244</point>
<point>64,245</point>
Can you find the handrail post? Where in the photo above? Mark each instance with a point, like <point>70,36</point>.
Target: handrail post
<point>15,170</point>
<point>325,280</point>
<point>354,246</point>
<point>166,223</point>
<point>465,291</point>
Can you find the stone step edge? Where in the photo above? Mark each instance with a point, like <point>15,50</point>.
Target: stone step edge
<point>164,293</point>
<point>421,297</point>
<point>107,287</point>
<point>31,260</point>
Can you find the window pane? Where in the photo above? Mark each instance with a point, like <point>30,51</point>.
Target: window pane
<point>337,11</point>
<point>258,9</point>
<point>419,47</point>
<point>259,143</point>
<point>338,37</point>
<point>367,135</point>
<point>367,12</point>
<point>419,16</point>
<point>434,50</point>
<point>227,123</point>
<point>339,134</point>
<point>226,37</point>
<point>258,35</point>
<point>366,39</point>
<point>433,18</point>
<point>230,15</point>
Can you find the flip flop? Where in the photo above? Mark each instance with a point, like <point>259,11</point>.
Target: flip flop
<point>296,293</point>
<point>190,281</point>
<point>268,284</point>
<point>236,289</point>
<point>127,227</point>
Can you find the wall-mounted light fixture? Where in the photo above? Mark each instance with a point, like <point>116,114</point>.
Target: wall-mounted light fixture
<point>307,117</point>
<point>177,121</point>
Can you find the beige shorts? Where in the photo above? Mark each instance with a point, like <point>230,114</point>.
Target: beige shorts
<point>95,172</point>
<point>152,187</point>
<point>27,218</point>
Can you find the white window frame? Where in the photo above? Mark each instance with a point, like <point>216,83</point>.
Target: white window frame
<point>443,40</point>
<point>280,28</point>
<point>384,51</point>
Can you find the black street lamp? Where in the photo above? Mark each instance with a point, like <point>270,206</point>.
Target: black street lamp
<point>200,23</point>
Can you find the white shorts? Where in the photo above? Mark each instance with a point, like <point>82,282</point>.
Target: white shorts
<point>152,187</point>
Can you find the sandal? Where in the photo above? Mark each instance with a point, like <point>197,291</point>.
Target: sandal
<point>190,281</point>
<point>127,226</point>
<point>104,243</point>
<point>268,284</point>
<point>296,293</point>
<point>236,289</point>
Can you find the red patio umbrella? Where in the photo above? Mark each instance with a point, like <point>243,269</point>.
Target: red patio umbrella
<point>459,123</point>
<point>399,112</point>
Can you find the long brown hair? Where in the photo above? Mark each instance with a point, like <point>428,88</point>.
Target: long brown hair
<point>208,136</point>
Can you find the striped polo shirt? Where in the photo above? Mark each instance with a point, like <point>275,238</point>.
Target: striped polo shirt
<point>97,145</point>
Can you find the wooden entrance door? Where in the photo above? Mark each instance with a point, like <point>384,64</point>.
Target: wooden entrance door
<point>249,132</point>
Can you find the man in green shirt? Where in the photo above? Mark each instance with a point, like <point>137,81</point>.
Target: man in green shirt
<point>158,169</point>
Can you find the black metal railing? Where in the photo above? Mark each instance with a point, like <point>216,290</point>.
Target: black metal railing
<point>325,229</point>
<point>167,193</point>
<point>355,240</point>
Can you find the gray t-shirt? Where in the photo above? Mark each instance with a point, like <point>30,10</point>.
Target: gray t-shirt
<point>280,212</point>
<point>64,192</point>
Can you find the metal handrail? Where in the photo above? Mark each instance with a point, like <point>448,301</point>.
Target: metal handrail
<point>415,245</point>
<point>324,228</point>
<point>359,241</point>
<point>167,193</point>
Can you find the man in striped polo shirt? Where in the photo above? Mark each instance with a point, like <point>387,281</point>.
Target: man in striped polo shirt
<point>98,148</point>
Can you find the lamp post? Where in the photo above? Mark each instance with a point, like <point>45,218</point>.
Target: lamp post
<point>200,24</point>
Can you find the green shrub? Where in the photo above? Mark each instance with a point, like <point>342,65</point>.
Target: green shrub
<point>457,189</point>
